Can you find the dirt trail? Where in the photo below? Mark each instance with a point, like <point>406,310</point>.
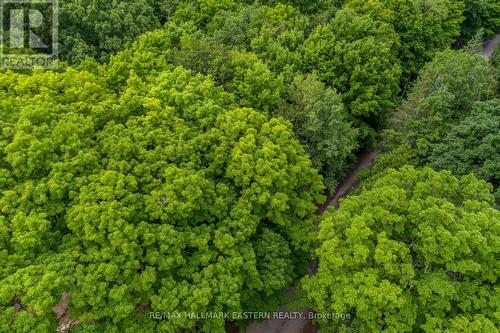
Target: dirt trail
<point>490,47</point>
<point>351,181</point>
<point>302,324</point>
<point>274,325</point>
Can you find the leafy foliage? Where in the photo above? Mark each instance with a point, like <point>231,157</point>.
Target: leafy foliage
<point>354,51</point>
<point>445,93</point>
<point>257,52</point>
<point>473,145</point>
<point>481,15</point>
<point>495,61</point>
<point>355,55</point>
<point>157,194</point>
<point>180,174</point>
<point>424,28</point>
<point>449,120</point>
<point>415,250</point>
<point>256,82</point>
<point>321,124</point>
<point>100,28</point>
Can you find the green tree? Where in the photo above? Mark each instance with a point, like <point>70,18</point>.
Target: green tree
<point>275,34</point>
<point>202,11</point>
<point>321,124</point>
<point>445,93</point>
<point>495,61</point>
<point>100,28</point>
<point>424,28</point>
<point>472,146</point>
<point>480,15</point>
<point>154,194</point>
<point>355,55</point>
<point>307,6</point>
<point>415,250</point>
<point>253,83</point>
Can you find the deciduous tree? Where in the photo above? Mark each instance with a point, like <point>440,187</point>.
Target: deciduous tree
<point>415,250</point>
<point>355,55</point>
<point>473,145</point>
<point>158,194</point>
<point>322,125</point>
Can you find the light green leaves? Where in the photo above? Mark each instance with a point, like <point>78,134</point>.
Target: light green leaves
<point>414,249</point>
<point>164,196</point>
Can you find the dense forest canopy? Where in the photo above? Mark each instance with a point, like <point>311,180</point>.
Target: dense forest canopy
<point>450,119</point>
<point>415,250</point>
<point>175,160</point>
<point>151,195</point>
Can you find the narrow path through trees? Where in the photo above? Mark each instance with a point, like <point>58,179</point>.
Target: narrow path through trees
<point>301,323</point>
<point>351,181</point>
<point>490,47</point>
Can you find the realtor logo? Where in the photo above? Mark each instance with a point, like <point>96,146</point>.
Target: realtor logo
<point>28,33</point>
